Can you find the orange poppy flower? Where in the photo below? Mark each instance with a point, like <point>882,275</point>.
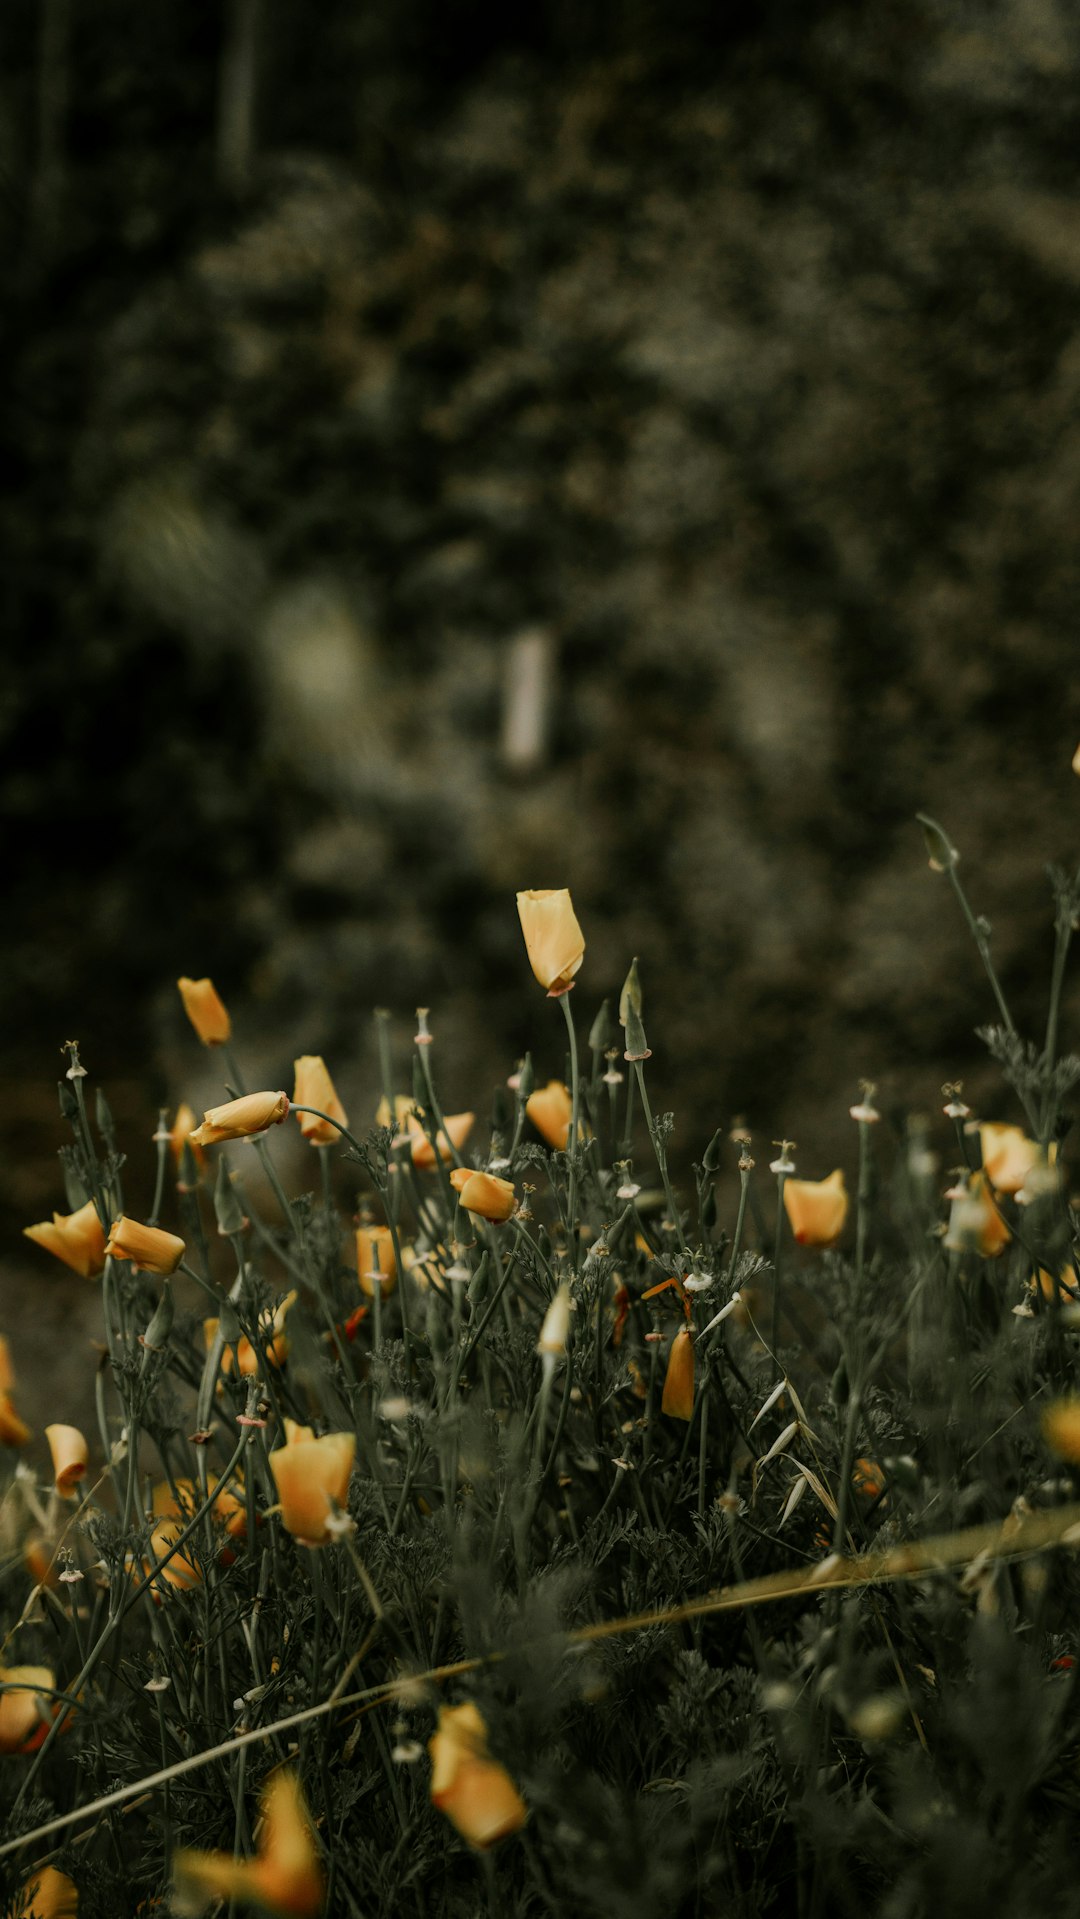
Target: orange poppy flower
<point>312,1476</point>
<point>975,1224</point>
<point>47,1893</point>
<point>77,1238</point>
<point>458,1126</point>
<point>285,1877</point>
<point>274,1332</point>
<point>25,1716</point>
<point>551,1111</point>
<point>70,1453</point>
<point>816,1208</point>
<point>678,1399</point>
<point>1008,1156</point>
<point>150,1247</point>
<point>314,1087</point>
<point>554,941</point>
<point>205,1011</point>
<point>477,1795</point>
<point>375,1244</point>
<point>241,1118</point>
<point>484,1194</point>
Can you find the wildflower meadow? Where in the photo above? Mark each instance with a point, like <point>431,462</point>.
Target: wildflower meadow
<point>540,1512</point>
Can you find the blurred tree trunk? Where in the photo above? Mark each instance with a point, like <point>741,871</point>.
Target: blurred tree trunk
<point>52,98</point>
<point>236,96</point>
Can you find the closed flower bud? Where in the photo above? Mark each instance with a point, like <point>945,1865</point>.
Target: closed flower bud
<point>312,1476</point>
<point>70,1453</point>
<point>484,1193</point>
<point>551,1111</point>
<point>631,1003</point>
<point>678,1399</point>
<point>603,1033</point>
<point>227,1208</point>
<point>47,1893</point>
<point>77,1238</point>
<point>314,1087</point>
<point>554,941</point>
<point>1009,1156</point>
<point>556,1326</point>
<point>241,1118</point>
<point>816,1208</point>
<point>24,1713</point>
<point>285,1877</point>
<point>375,1253</point>
<point>205,1011</point>
<point>157,1333</point>
<point>942,853</point>
<point>477,1795</point>
<point>150,1247</point>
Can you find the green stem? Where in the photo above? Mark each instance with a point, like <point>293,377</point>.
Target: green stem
<point>660,1152</point>
<point>573,1143</point>
<point>121,1610</point>
<point>778,1247</point>
<point>1063,940</point>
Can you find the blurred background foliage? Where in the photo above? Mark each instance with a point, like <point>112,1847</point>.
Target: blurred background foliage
<point>632,447</point>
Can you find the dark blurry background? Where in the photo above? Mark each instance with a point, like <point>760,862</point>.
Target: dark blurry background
<point>628,446</point>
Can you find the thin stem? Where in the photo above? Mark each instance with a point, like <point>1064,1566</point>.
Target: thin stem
<point>778,1247</point>
<point>1062,942</point>
<point>573,1143</point>
<point>659,1150</point>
